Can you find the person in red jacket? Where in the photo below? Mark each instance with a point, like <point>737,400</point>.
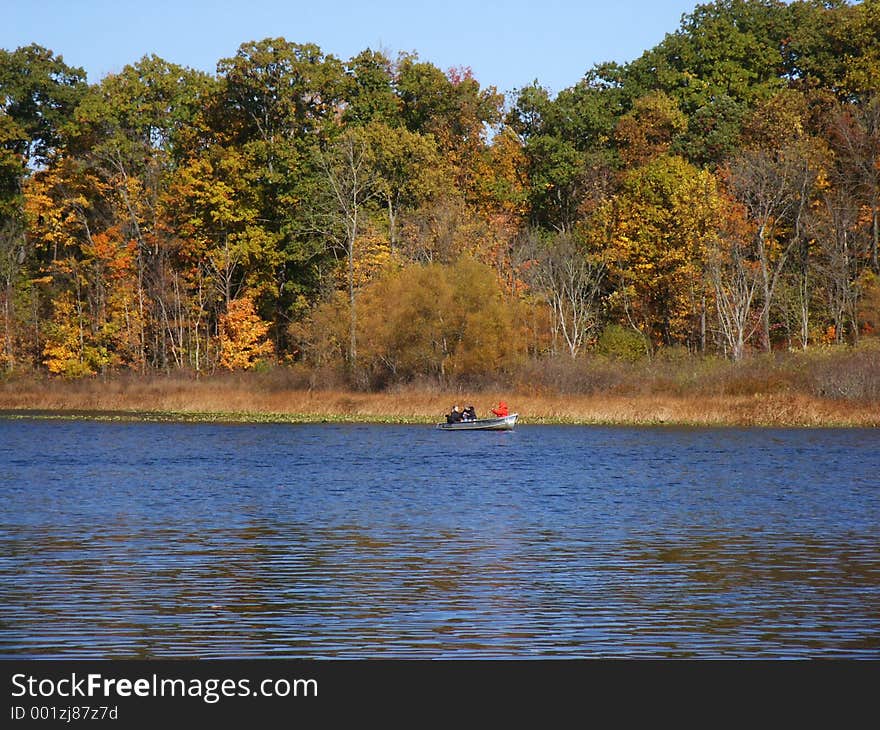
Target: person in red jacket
<point>501,410</point>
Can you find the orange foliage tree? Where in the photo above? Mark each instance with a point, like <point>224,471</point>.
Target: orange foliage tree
<point>242,341</point>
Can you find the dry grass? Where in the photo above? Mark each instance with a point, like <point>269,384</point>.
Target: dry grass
<point>257,397</point>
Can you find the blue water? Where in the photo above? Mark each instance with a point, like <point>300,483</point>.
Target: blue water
<point>147,540</point>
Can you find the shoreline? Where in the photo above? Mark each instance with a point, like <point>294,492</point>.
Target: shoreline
<point>232,418</point>
<point>341,407</point>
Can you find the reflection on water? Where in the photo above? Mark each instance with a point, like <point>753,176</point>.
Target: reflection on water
<point>172,540</point>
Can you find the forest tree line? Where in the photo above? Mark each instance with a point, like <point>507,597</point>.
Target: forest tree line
<point>389,220</point>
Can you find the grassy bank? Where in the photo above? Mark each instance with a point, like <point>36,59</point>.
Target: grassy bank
<point>261,398</point>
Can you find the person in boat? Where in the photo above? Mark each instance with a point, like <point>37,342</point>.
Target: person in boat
<point>501,410</point>
<point>455,415</point>
<point>470,414</point>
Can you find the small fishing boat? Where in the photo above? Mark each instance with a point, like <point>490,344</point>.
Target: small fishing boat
<point>504,423</point>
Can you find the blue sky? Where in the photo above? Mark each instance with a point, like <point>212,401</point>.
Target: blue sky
<point>506,44</point>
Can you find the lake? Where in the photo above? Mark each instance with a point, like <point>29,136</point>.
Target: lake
<point>164,540</point>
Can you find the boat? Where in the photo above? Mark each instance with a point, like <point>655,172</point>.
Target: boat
<point>503,423</point>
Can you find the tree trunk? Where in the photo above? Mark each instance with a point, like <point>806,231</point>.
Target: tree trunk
<point>766,291</point>
<point>352,318</point>
<point>8,324</point>
<point>875,237</point>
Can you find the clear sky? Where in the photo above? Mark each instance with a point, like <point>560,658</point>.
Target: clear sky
<point>507,43</point>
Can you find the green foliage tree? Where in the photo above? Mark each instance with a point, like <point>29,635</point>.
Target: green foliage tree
<point>369,91</point>
<point>566,145</point>
<point>279,102</point>
<point>725,48</point>
<point>406,167</point>
<point>39,94</point>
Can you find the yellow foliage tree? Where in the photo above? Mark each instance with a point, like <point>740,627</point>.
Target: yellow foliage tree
<point>242,336</point>
<point>657,231</point>
<point>65,350</point>
<point>438,320</point>
<point>649,129</point>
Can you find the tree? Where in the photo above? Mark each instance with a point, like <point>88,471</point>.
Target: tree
<point>655,232</point>
<point>65,349</point>
<point>734,276</point>
<point>840,259</point>
<point>39,94</point>
<point>448,321</point>
<point>713,132</point>
<point>443,229</point>
<point>13,250</point>
<point>454,109</point>
<point>369,94</point>
<point>856,40</point>
<point>855,137</point>
<point>776,188</point>
<point>561,270</point>
<point>276,91</point>
<point>503,176</point>
<point>649,128</point>
<point>209,204</point>
<point>566,145</point>
<point>557,171</point>
<point>351,184</point>
<point>242,336</point>
<point>724,48</point>
<point>405,167</point>
<point>131,132</point>
<point>280,101</point>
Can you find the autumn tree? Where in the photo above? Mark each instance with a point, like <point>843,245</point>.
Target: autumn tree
<point>777,188</point>
<point>452,107</point>
<point>734,276</point>
<point>38,95</point>
<point>65,350</point>
<point>59,203</point>
<point>561,270</point>
<point>840,259</point>
<point>855,137</point>
<point>242,336</point>
<point>350,185</point>
<point>405,167</point>
<point>656,231</point>
<point>648,129</point>
<point>132,130</point>
<point>448,321</point>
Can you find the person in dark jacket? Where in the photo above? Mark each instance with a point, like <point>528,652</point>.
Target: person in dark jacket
<point>470,414</point>
<point>454,416</point>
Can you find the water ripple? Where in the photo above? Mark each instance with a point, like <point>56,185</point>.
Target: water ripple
<point>171,540</point>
